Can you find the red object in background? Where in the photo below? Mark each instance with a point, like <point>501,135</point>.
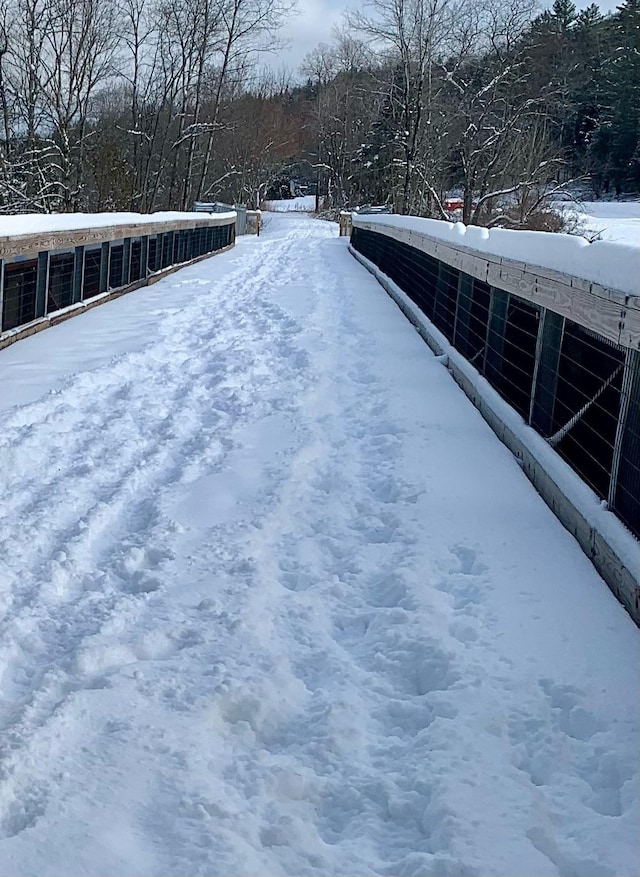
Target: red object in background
<point>451,204</point>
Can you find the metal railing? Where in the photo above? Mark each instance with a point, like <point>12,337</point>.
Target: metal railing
<point>247,222</point>
<point>562,367</point>
<point>45,277</point>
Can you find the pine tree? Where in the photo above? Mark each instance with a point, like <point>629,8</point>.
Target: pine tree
<point>616,141</point>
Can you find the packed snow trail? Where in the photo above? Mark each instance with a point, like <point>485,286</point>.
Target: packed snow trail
<point>276,601</point>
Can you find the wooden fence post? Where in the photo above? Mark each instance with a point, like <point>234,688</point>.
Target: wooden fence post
<point>144,255</point>
<point>42,283</point>
<point>624,488</point>
<point>126,261</point>
<point>78,271</point>
<point>545,374</point>
<point>463,313</point>
<point>498,307</point>
<point>104,267</point>
<point>1,293</point>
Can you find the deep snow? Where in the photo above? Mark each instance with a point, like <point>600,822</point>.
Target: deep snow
<point>275,600</point>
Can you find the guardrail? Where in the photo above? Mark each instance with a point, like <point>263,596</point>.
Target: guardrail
<point>49,276</point>
<point>562,351</point>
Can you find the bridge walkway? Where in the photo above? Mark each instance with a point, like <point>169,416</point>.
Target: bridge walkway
<point>275,600</point>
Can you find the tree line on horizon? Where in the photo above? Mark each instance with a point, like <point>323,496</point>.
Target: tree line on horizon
<point>149,104</point>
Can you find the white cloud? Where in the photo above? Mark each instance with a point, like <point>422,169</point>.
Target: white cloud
<point>312,24</point>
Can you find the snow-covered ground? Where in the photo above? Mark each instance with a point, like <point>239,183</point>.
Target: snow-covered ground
<point>301,204</point>
<point>275,600</point>
<point>617,221</point>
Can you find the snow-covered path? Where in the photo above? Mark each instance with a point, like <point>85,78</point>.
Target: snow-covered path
<point>275,600</point>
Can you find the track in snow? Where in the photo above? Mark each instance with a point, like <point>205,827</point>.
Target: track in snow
<point>275,600</point>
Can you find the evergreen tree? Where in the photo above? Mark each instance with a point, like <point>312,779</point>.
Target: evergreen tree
<point>615,146</point>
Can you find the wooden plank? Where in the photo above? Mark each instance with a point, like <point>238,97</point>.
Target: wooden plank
<point>104,267</point>
<point>630,330</point>
<point>144,255</point>
<point>126,260</point>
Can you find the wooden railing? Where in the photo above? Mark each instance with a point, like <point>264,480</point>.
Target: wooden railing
<point>48,276</point>
<point>612,314</point>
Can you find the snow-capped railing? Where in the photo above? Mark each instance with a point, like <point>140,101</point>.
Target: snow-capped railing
<point>553,324</point>
<point>52,267</point>
<point>596,285</point>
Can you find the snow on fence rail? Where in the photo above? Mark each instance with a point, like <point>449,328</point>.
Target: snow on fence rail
<point>560,349</point>
<point>52,267</point>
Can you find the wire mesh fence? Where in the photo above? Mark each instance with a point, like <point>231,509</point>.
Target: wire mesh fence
<point>580,391</point>
<point>37,287</point>
<point>91,278</point>
<point>153,256</point>
<point>116,260</point>
<point>19,298</point>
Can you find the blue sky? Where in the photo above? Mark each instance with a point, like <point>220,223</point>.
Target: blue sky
<point>316,18</point>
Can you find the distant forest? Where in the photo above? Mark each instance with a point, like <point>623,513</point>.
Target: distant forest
<point>153,104</point>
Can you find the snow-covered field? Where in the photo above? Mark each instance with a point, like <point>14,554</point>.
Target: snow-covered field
<point>301,204</point>
<point>617,221</point>
<point>275,600</point>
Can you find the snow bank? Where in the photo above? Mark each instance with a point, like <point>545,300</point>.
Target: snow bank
<point>302,204</point>
<point>36,223</point>
<point>614,265</point>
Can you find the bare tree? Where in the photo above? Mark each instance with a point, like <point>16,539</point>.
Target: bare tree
<point>79,39</point>
<point>24,103</point>
<point>414,34</point>
<point>499,131</point>
<point>345,109</point>
<point>250,28</point>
